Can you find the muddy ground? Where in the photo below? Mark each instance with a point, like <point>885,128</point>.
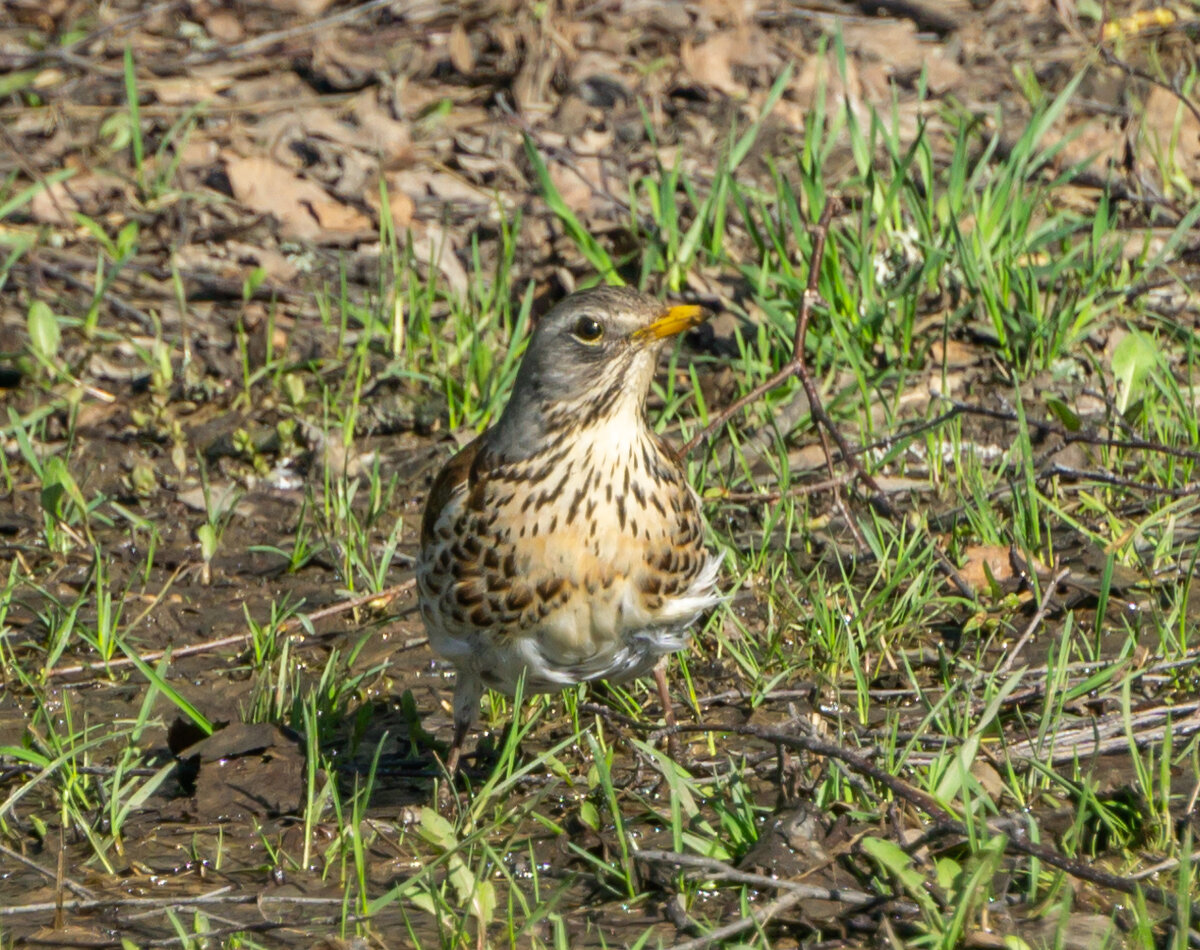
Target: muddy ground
<point>210,253</point>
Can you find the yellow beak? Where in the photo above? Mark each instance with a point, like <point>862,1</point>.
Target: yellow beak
<point>674,320</point>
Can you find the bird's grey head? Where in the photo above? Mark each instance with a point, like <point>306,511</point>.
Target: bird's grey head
<point>592,356</point>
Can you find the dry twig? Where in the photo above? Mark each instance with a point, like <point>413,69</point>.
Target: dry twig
<point>1035,621</point>
<point>1014,844</point>
<point>714,870</point>
<point>797,365</point>
<point>72,886</point>
<point>238,638</point>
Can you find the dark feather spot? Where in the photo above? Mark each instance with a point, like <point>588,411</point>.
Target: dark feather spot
<point>467,595</point>
<point>576,501</point>
<point>518,598</point>
<point>550,587</point>
<point>480,616</point>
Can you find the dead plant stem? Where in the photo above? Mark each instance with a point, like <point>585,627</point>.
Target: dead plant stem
<point>238,638</point>
<point>906,791</point>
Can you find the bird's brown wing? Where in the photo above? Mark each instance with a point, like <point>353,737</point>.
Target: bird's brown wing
<point>454,475</point>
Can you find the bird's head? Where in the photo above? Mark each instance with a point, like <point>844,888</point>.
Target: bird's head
<point>590,359</point>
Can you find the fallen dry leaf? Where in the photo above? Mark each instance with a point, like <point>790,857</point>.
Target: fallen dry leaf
<point>401,207</point>
<point>188,90</point>
<point>954,354</point>
<point>224,26</point>
<point>459,47</point>
<point>711,63</point>
<point>984,560</point>
<point>379,130</point>
<point>304,8</point>
<point>304,210</point>
<point>576,182</point>
<point>435,246</point>
<point>92,194</point>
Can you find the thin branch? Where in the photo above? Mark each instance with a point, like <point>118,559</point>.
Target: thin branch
<point>906,791</point>
<point>72,886</point>
<point>222,895</point>
<point>254,45</point>
<point>1083,435</point>
<point>238,638</point>
<point>755,919</point>
<point>1042,607</point>
<point>714,870</point>
<point>797,365</point>
<point>808,488</point>
<point>796,362</point>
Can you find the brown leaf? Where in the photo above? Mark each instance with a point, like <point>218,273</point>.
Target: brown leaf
<point>987,776</point>
<point>984,560</point>
<point>575,183</point>
<point>459,46</point>
<point>187,90</point>
<point>435,246</point>
<point>379,130</point>
<point>304,8</point>
<point>893,41</point>
<point>711,63</point>
<point>953,354</point>
<point>89,194</point>
<point>222,25</point>
<point>400,205</point>
<point>303,209</point>
<point>247,769</point>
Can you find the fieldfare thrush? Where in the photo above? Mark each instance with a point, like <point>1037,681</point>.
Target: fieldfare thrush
<point>565,544</point>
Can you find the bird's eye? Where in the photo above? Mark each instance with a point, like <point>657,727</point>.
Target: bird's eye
<point>587,330</point>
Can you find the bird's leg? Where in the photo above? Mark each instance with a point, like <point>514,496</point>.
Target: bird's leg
<point>468,689</point>
<point>664,697</point>
<point>460,736</point>
<point>446,793</point>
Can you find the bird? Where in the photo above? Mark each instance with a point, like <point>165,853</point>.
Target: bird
<point>565,543</point>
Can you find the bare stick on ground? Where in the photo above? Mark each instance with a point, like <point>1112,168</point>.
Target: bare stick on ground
<point>238,638</point>
<point>797,365</point>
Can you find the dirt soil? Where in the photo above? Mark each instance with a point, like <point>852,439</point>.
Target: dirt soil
<point>275,135</point>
